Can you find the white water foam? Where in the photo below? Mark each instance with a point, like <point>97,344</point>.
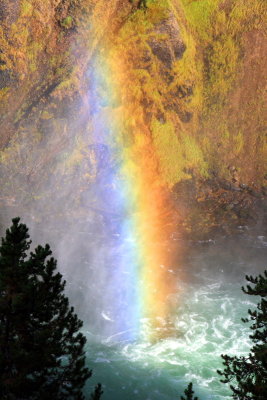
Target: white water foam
<point>207,324</point>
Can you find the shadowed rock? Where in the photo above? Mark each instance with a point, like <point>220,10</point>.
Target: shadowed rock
<point>167,44</point>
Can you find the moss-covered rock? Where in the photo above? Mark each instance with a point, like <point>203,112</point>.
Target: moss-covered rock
<point>189,78</point>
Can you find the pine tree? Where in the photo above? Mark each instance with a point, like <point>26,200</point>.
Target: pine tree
<point>96,395</point>
<point>189,393</point>
<point>41,349</point>
<point>248,375</point>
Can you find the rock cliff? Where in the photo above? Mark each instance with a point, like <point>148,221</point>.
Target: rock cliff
<point>191,81</point>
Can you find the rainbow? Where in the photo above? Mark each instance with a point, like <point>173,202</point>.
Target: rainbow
<point>134,191</point>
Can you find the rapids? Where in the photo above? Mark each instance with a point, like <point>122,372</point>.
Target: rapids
<point>206,323</point>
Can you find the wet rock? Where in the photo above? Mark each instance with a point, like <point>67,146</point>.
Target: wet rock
<point>2,11</point>
<point>254,193</point>
<point>179,49</point>
<point>162,51</point>
<point>9,10</point>
<point>229,186</point>
<point>185,116</point>
<point>186,191</point>
<point>174,105</point>
<point>183,91</point>
<point>243,186</point>
<point>230,206</point>
<point>171,28</point>
<point>161,117</point>
<point>99,157</point>
<point>146,57</point>
<point>46,127</point>
<point>166,42</point>
<point>5,78</point>
<point>147,117</point>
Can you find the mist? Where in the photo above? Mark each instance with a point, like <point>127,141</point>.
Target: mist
<point>129,145</point>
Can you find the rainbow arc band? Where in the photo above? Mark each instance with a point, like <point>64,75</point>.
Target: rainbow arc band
<point>131,187</point>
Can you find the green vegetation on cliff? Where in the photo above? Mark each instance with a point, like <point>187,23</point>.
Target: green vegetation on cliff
<point>190,78</point>
<point>230,37</point>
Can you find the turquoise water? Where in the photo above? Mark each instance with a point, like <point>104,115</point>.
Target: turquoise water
<point>208,305</point>
<point>207,323</point>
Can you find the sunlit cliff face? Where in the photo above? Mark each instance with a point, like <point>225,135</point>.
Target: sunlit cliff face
<point>135,122</point>
<point>189,70</point>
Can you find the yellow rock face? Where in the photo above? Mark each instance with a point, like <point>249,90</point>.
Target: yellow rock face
<point>188,78</point>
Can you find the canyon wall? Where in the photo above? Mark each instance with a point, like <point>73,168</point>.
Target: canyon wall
<point>190,79</point>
